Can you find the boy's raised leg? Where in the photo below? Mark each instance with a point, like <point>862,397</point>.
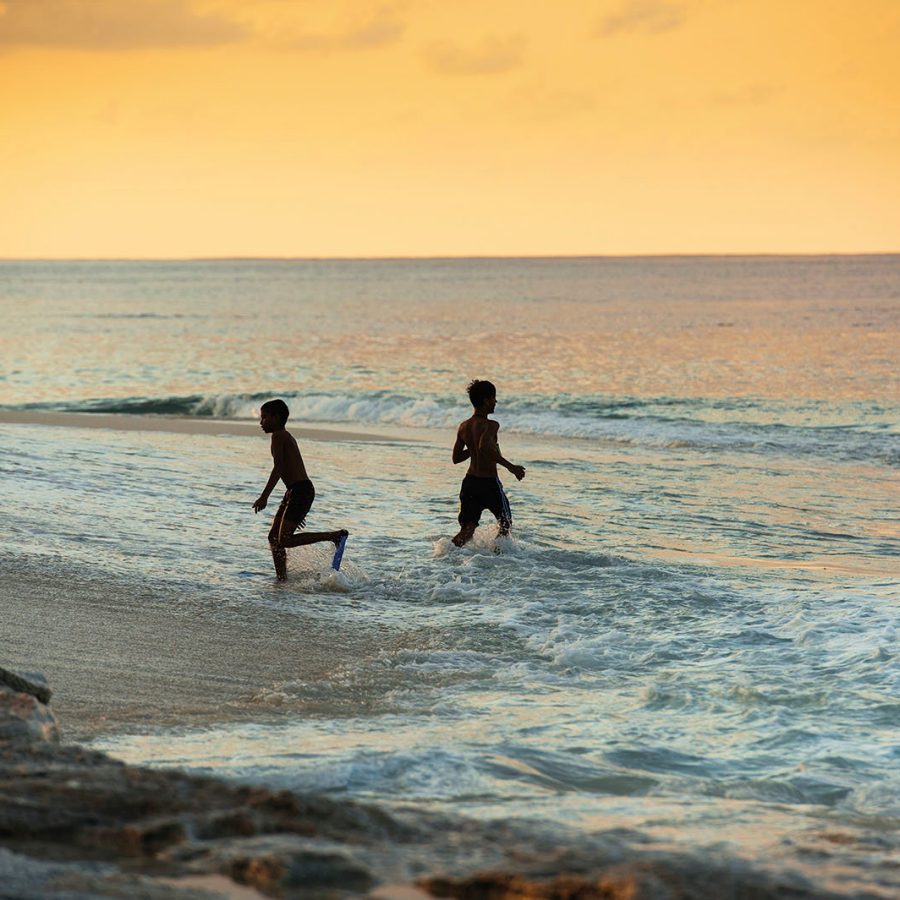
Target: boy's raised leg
<point>282,536</point>
<point>313,537</point>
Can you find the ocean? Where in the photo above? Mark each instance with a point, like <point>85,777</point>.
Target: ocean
<point>690,639</point>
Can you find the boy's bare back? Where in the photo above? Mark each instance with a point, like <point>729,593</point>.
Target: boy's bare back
<point>479,435</point>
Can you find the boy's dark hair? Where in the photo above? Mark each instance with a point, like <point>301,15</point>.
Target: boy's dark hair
<point>277,408</point>
<point>479,391</point>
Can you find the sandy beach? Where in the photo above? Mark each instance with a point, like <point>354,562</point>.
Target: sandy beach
<point>119,661</point>
<point>123,655</point>
<point>178,425</point>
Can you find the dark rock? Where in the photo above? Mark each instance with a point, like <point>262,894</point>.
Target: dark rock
<point>23,717</point>
<point>265,873</point>
<point>329,869</point>
<point>25,878</point>
<point>676,879</point>
<point>27,683</point>
<point>284,868</point>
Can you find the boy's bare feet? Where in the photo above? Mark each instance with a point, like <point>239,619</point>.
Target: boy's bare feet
<point>464,536</point>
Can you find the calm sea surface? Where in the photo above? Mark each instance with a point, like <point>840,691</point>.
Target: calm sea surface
<point>692,634</point>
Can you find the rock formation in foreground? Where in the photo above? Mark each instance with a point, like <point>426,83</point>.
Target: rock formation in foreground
<point>77,824</point>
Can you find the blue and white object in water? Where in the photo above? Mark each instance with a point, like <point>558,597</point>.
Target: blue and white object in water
<point>339,552</point>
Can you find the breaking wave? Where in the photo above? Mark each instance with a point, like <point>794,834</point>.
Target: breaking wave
<point>860,432</point>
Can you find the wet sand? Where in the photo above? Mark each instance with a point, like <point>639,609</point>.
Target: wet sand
<point>184,425</point>
<point>122,655</point>
<point>119,658</point>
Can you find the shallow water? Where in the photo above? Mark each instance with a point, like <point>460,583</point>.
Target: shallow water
<point>692,634</point>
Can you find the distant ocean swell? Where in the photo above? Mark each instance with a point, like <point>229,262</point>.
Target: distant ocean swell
<point>854,432</point>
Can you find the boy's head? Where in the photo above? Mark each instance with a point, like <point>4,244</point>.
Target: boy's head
<point>273,413</point>
<point>480,392</point>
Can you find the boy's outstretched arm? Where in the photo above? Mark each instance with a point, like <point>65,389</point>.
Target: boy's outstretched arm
<point>261,501</point>
<point>263,498</point>
<point>518,471</point>
<point>460,450</point>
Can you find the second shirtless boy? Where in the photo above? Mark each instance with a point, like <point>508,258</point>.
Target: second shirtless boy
<point>476,440</point>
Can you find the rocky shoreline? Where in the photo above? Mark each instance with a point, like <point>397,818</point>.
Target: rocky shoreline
<point>76,823</point>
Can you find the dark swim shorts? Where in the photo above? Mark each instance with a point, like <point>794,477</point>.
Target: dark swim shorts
<point>297,500</point>
<point>478,494</point>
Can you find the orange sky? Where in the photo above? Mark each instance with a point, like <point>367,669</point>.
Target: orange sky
<point>182,128</point>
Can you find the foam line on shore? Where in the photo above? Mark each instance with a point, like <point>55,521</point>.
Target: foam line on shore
<point>179,425</point>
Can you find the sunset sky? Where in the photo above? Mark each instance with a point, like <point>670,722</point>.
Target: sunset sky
<point>186,128</point>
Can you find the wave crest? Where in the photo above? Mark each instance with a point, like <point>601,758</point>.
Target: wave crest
<point>696,424</point>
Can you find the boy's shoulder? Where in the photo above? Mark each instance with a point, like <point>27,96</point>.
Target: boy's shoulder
<point>475,419</point>
<point>282,437</point>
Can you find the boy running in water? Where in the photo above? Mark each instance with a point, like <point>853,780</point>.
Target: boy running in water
<point>476,440</point>
<point>298,498</point>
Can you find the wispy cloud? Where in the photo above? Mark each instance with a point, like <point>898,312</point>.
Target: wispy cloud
<point>113,24</point>
<point>643,17</point>
<point>490,56</point>
<point>380,27</point>
<point>116,25</point>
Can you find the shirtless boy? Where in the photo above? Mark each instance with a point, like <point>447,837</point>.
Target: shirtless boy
<point>298,498</point>
<point>476,440</point>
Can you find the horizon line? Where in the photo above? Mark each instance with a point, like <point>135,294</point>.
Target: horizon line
<point>449,258</point>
